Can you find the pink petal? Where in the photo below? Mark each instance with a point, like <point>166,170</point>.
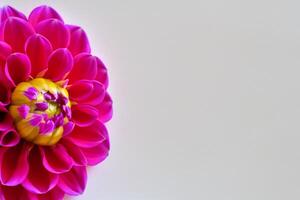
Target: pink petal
<point>6,121</point>
<point>93,135</point>
<point>5,50</point>
<point>39,180</point>
<point>8,11</point>
<point>56,159</point>
<point>79,42</point>
<point>60,62</point>
<point>42,13</point>
<point>102,76</point>
<point>105,110</point>
<point>38,48</point>
<point>97,95</point>
<point>54,194</point>
<point>68,128</point>
<point>23,111</point>
<point>85,67</point>
<point>74,181</point>
<point>84,115</point>
<point>96,154</point>
<point>15,33</point>
<point>16,193</point>
<point>9,138</point>
<point>14,165</point>
<point>17,68</point>
<point>5,95</point>
<point>75,152</point>
<point>55,31</point>
<point>81,89</point>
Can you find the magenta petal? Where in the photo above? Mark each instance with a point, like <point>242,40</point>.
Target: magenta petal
<point>87,92</point>
<point>38,48</point>
<point>97,94</point>
<point>59,64</point>
<point>42,13</point>
<point>5,50</point>
<point>6,121</point>
<point>15,33</point>
<point>74,181</point>
<point>79,42</point>
<point>81,90</point>
<point>105,109</point>
<point>41,106</point>
<point>84,115</point>
<point>102,75</point>
<point>75,153</point>
<point>55,31</point>
<point>8,11</point>
<point>54,194</point>
<point>17,68</point>
<point>36,119</point>
<point>14,165</point>
<point>17,193</point>
<point>39,180</point>
<point>9,138</point>
<point>23,111</point>
<point>96,154</point>
<point>68,128</point>
<point>5,94</point>
<point>31,93</point>
<point>56,159</point>
<point>85,67</point>
<point>46,127</point>
<point>93,135</point>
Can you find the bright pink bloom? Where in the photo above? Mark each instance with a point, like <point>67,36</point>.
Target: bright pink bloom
<point>53,106</point>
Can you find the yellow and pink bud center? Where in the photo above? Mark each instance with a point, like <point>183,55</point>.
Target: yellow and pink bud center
<point>41,110</point>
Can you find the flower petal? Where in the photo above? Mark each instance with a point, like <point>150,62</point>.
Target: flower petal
<point>105,110</point>
<point>8,11</point>
<point>42,13</point>
<point>54,194</point>
<point>85,67</point>
<point>17,68</point>
<point>15,33</point>
<point>16,193</point>
<point>102,75</point>
<point>38,48</point>
<point>75,152</point>
<point>5,95</point>
<point>14,165</point>
<point>97,95</point>
<point>68,128</point>
<point>74,181</point>
<point>60,62</point>
<point>96,154</point>
<point>6,121</point>
<point>56,159</point>
<point>55,31</point>
<point>5,50</point>
<point>39,180</point>
<point>9,138</point>
<point>79,42</point>
<point>93,135</point>
<point>81,89</point>
<point>84,115</point>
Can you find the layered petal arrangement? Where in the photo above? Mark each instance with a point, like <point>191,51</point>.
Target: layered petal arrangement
<point>53,106</point>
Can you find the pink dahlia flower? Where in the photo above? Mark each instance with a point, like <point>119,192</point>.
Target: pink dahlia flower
<point>53,106</point>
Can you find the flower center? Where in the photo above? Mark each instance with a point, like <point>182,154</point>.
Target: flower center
<point>40,108</point>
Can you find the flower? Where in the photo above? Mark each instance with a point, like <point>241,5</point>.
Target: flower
<point>53,106</point>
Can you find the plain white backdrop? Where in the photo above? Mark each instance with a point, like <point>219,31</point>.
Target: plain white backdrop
<point>206,97</point>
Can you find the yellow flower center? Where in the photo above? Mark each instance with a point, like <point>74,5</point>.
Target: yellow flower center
<point>40,109</point>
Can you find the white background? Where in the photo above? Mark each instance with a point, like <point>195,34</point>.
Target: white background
<point>206,97</point>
